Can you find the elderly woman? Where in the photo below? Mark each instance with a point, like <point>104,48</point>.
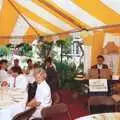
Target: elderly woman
<point>43,94</point>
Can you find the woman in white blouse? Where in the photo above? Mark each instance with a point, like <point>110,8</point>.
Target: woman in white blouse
<point>43,94</point>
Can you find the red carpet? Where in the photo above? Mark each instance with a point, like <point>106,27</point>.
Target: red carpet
<point>77,107</point>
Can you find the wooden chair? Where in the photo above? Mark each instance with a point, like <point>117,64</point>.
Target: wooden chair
<point>101,104</point>
<point>24,115</point>
<point>116,92</point>
<point>56,109</point>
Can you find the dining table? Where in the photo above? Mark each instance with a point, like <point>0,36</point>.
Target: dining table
<point>102,116</point>
<point>12,102</point>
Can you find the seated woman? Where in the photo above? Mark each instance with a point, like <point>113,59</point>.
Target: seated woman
<point>43,94</point>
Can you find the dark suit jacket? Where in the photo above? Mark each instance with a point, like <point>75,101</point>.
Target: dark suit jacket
<point>52,79</point>
<point>32,87</point>
<point>104,66</point>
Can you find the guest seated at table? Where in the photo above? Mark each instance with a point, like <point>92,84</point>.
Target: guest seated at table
<point>30,66</point>
<point>29,71</point>
<point>17,79</point>
<point>16,63</point>
<point>3,70</point>
<point>100,70</point>
<point>43,94</point>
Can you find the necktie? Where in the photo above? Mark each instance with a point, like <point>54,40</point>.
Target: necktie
<point>14,85</point>
<point>99,74</point>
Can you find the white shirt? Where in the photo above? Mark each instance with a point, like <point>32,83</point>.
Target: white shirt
<point>30,78</point>
<point>43,94</point>
<point>3,75</point>
<point>99,66</point>
<point>20,82</point>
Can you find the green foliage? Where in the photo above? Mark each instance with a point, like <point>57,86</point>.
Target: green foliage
<point>80,68</point>
<point>26,50</point>
<point>67,73</point>
<point>4,51</point>
<point>10,46</point>
<point>45,49</point>
<point>65,45</point>
<point>66,42</point>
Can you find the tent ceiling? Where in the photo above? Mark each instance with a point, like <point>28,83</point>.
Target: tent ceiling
<point>56,16</point>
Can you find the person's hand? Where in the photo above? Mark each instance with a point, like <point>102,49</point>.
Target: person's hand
<point>33,103</point>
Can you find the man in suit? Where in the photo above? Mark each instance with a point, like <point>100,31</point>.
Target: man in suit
<point>100,70</point>
<point>100,65</point>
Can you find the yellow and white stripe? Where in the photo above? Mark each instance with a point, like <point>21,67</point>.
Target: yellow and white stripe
<point>113,4</point>
<point>49,17</point>
<point>40,27</point>
<point>20,28</point>
<point>46,15</point>
<point>78,12</point>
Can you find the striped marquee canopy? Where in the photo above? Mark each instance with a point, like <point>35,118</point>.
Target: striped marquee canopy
<point>30,18</point>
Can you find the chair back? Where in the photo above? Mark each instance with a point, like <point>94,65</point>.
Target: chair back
<point>24,115</point>
<point>56,109</point>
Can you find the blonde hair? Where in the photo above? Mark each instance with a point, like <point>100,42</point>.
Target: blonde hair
<point>40,70</point>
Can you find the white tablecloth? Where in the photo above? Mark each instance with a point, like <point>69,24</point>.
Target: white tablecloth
<point>12,101</point>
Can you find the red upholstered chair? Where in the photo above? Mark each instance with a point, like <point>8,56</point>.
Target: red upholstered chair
<point>48,113</point>
<point>24,115</point>
<point>116,95</point>
<point>100,104</point>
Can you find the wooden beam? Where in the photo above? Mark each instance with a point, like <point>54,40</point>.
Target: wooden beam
<point>67,32</point>
<point>19,37</point>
